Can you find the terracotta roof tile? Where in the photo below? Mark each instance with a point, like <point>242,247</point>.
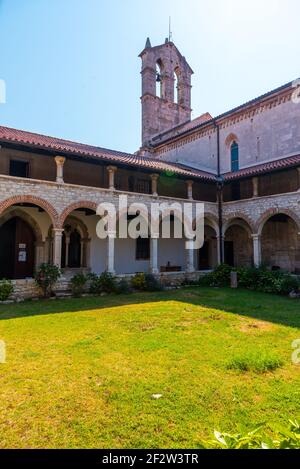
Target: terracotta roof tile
<point>264,168</point>
<point>59,145</point>
<point>30,139</point>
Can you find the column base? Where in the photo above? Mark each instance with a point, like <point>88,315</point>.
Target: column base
<point>154,271</point>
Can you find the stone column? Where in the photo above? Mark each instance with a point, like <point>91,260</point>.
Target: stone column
<point>88,253</point>
<point>298,179</point>
<point>47,250</point>
<point>219,240</point>
<point>82,245</point>
<point>154,256</point>
<point>189,185</point>
<point>255,187</point>
<point>57,244</point>
<point>67,251</point>
<point>111,177</point>
<point>39,253</point>
<point>110,261</point>
<point>60,161</point>
<point>256,249</point>
<point>154,179</point>
<point>190,265</point>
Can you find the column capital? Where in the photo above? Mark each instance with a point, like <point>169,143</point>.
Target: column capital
<point>58,231</point>
<point>111,174</point>
<point>60,160</point>
<point>256,236</point>
<point>154,179</point>
<point>190,183</point>
<point>112,169</point>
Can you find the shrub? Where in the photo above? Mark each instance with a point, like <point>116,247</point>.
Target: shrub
<point>260,279</point>
<point>46,277</point>
<point>267,281</point>
<point>220,277</point>
<point>255,361</point>
<point>122,287</point>
<point>152,283</point>
<point>94,284</point>
<point>257,439</point>
<point>105,283</point>
<point>6,289</point>
<point>248,277</point>
<point>108,282</point>
<point>288,284</point>
<point>138,282</point>
<point>78,284</point>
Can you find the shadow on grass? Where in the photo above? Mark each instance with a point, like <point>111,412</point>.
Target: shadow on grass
<point>260,306</point>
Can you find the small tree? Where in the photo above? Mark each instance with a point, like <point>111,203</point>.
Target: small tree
<point>46,277</point>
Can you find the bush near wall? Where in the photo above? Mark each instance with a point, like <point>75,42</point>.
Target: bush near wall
<point>104,283</point>
<point>259,279</point>
<point>146,282</point>
<point>6,289</point>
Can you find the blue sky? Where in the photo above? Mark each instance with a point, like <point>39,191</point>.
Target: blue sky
<point>72,70</point>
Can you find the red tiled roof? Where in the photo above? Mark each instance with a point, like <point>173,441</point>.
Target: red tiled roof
<point>264,168</point>
<point>58,145</point>
<point>65,146</point>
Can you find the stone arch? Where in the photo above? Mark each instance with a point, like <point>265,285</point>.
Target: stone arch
<point>210,219</point>
<point>230,139</point>
<point>238,244</point>
<point>27,218</point>
<point>241,217</point>
<point>259,225</point>
<point>79,224</point>
<point>76,205</point>
<point>5,204</point>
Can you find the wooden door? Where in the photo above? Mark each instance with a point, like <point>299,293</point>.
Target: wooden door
<point>17,242</point>
<point>24,254</point>
<point>7,249</point>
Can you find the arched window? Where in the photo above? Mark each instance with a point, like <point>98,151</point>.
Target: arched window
<point>159,84</point>
<point>176,86</point>
<point>234,150</point>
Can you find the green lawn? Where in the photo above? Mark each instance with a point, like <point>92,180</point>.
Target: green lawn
<point>82,372</point>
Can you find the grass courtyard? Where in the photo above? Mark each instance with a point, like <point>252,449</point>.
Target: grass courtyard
<point>81,373</point>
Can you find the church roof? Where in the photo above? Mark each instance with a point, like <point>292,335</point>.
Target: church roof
<point>57,145</point>
<point>207,119</point>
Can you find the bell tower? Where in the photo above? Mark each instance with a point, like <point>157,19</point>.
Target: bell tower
<point>166,89</point>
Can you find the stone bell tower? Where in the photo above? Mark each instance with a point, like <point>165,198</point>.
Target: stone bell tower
<point>166,89</point>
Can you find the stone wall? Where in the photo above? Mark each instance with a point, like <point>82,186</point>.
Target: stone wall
<point>266,130</point>
<point>27,289</point>
<point>256,211</point>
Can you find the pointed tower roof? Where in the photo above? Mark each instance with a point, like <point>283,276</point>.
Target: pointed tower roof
<point>148,44</point>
